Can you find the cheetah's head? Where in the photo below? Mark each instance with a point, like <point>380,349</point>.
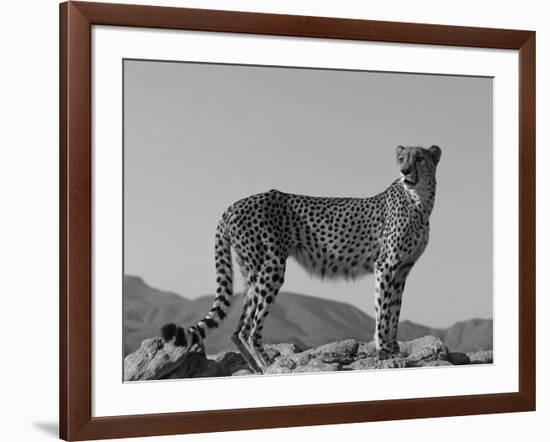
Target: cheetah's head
<point>417,165</point>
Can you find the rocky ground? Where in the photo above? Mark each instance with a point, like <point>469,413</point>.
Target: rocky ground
<point>157,359</point>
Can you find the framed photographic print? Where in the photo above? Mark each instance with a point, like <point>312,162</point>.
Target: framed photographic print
<point>275,220</point>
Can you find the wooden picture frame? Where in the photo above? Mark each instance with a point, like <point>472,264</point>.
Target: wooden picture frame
<point>76,21</point>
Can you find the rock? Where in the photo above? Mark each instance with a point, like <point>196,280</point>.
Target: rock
<point>481,357</point>
<point>371,362</point>
<point>219,356</point>
<point>367,363</point>
<point>428,348</point>
<point>440,363</point>
<point>231,362</point>
<point>243,372</point>
<point>366,349</point>
<point>197,365</point>
<point>282,349</point>
<point>272,353</point>
<point>403,348</point>
<point>316,366</point>
<point>417,353</point>
<point>278,368</point>
<point>457,358</point>
<point>299,358</point>
<point>154,359</point>
<point>335,351</point>
<point>286,362</point>
<point>393,363</point>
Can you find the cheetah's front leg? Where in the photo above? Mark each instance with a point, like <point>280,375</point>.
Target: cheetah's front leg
<point>387,305</point>
<point>400,276</point>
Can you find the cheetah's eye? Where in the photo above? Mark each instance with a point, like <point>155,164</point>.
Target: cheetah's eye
<point>421,160</point>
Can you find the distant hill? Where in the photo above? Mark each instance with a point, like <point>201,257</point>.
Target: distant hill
<point>304,320</point>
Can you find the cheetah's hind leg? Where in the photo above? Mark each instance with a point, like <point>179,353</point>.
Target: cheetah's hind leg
<point>263,296</point>
<point>259,354</point>
<point>243,350</point>
<point>240,337</point>
<point>248,336</point>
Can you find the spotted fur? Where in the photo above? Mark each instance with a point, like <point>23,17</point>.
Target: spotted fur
<point>331,238</point>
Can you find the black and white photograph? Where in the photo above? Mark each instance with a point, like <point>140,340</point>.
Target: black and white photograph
<point>281,220</point>
<point>234,220</point>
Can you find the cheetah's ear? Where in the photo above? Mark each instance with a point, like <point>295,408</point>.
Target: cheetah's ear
<point>399,149</point>
<point>435,152</point>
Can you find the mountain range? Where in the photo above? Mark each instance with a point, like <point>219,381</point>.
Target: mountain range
<point>304,320</point>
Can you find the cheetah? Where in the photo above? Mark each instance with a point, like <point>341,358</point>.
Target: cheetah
<point>331,238</point>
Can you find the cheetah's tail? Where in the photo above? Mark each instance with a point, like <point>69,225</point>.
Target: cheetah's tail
<point>193,336</point>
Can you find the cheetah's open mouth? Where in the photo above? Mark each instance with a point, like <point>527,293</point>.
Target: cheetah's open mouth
<point>409,181</point>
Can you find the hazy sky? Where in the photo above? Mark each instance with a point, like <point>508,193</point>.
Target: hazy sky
<point>199,137</point>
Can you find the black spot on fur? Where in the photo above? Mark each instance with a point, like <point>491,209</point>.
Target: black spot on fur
<point>194,337</point>
<point>224,301</point>
<point>219,312</point>
<point>169,331</point>
<point>201,332</point>
<point>180,338</point>
<point>210,323</point>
